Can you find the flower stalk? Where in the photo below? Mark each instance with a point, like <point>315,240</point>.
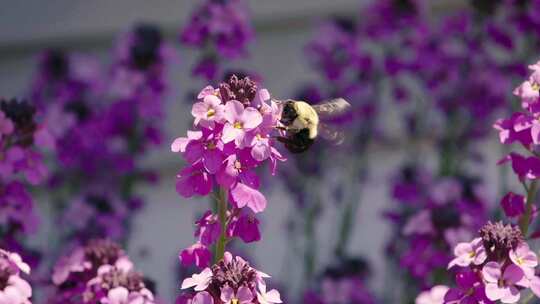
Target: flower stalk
<point>525,219</point>
<point>222,215</point>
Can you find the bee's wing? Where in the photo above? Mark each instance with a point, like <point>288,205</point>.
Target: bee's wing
<point>331,133</point>
<point>332,108</point>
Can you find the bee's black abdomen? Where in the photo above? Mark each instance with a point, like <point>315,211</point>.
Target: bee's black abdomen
<point>297,142</point>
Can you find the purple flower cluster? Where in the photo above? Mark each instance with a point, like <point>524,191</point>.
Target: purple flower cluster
<point>231,280</point>
<point>434,214</point>
<point>13,288</point>
<point>523,128</point>
<point>22,141</point>
<point>234,127</point>
<point>104,121</point>
<point>98,273</point>
<point>497,266</point>
<point>222,29</point>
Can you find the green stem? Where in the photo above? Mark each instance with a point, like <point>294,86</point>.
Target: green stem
<point>311,241</point>
<point>525,219</point>
<point>222,215</point>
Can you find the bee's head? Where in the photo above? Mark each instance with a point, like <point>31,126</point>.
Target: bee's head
<point>289,113</point>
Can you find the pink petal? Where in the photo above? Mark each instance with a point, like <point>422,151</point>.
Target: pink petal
<point>212,100</point>
<point>493,292</point>
<point>230,133</point>
<point>245,195</point>
<point>202,298</point>
<point>227,294</point>
<point>535,133</point>
<point>233,111</point>
<point>491,272</point>
<point>273,296</point>
<point>212,160</point>
<point>118,295</point>
<point>205,92</point>
<point>512,274</point>
<point>535,285</point>
<point>194,151</point>
<point>251,118</point>
<point>199,110</point>
<point>260,152</point>
<point>480,257</point>
<point>24,287</point>
<point>179,144</point>
<point>463,249</point>
<point>511,295</point>
<point>244,295</point>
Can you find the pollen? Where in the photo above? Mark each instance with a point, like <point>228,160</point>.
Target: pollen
<point>238,125</point>
<point>210,113</point>
<point>234,301</point>
<point>535,86</point>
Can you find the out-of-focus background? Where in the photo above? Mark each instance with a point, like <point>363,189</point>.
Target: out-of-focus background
<point>283,29</point>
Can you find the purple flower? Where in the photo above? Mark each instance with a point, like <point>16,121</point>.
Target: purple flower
<point>242,296</point>
<point>209,110</point>
<point>13,289</point>
<point>524,258</point>
<point>246,227</point>
<point>197,254</point>
<point>208,228</point>
<point>193,180</point>
<point>470,290</point>
<point>199,281</point>
<point>523,167</point>
<point>502,284</point>
<point>113,281</point>
<point>513,204</point>
<point>224,25</point>
<point>469,253</point>
<point>239,121</point>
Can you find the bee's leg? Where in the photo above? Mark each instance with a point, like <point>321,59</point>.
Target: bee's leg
<point>283,139</point>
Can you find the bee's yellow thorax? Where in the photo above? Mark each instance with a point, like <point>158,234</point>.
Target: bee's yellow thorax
<point>307,118</point>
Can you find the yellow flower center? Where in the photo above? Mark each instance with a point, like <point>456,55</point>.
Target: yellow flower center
<point>259,137</point>
<point>520,261</point>
<point>472,254</point>
<point>535,86</point>
<point>238,125</point>
<point>211,145</point>
<point>210,113</point>
<point>234,301</point>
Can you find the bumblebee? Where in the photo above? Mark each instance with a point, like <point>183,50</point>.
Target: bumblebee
<point>302,123</point>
